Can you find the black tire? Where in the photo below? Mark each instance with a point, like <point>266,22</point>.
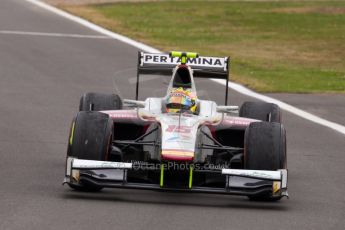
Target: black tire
<point>90,139</point>
<point>261,111</point>
<point>99,102</point>
<point>265,149</point>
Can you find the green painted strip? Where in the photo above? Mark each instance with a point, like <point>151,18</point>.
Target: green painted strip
<point>183,60</point>
<point>191,176</point>
<point>162,176</point>
<point>72,134</point>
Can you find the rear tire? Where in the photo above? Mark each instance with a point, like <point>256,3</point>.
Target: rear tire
<point>99,102</point>
<point>265,149</point>
<point>90,139</point>
<point>261,111</point>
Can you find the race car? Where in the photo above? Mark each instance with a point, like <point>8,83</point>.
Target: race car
<point>178,142</point>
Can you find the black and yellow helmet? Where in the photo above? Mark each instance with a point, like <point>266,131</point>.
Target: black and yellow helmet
<point>181,100</point>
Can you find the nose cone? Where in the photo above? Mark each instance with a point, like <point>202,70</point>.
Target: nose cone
<point>177,155</point>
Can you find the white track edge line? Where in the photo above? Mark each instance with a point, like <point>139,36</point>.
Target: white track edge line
<point>44,34</point>
<point>299,112</point>
<point>237,87</point>
<point>94,27</point>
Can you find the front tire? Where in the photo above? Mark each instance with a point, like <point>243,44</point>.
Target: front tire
<point>90,139</point>
<point>265,149</point>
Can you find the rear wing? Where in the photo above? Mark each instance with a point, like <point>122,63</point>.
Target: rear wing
<point>203,67</point>
<point>163,64</point>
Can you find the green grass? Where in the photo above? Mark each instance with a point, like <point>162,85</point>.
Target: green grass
<point>274,46</point>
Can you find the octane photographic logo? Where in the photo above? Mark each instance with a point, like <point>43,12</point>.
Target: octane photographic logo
<point>140,165</point>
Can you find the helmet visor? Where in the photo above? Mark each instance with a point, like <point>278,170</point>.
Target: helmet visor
<point>178,106</point>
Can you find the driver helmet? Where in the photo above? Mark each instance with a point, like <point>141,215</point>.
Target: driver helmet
<point>181,100</point>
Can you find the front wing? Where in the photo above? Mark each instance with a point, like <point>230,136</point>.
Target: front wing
<point>237,181</point>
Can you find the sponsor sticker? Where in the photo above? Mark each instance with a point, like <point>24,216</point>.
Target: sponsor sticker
<point>179,138</point>
<point>237,121</point>
<point>179,129</point>
<point>200,61</point>
<point>276,186</point>
<point>121,114</point>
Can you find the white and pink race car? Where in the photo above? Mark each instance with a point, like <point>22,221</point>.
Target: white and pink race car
<point>119,143</point>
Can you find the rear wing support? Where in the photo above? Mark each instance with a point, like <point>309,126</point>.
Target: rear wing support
<point>203,67</point>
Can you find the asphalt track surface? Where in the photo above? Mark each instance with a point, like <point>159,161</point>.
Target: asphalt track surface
<point>327,106</point>
<point>41,80</point>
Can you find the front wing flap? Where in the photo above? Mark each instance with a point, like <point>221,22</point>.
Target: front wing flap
<point>237,181</point>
